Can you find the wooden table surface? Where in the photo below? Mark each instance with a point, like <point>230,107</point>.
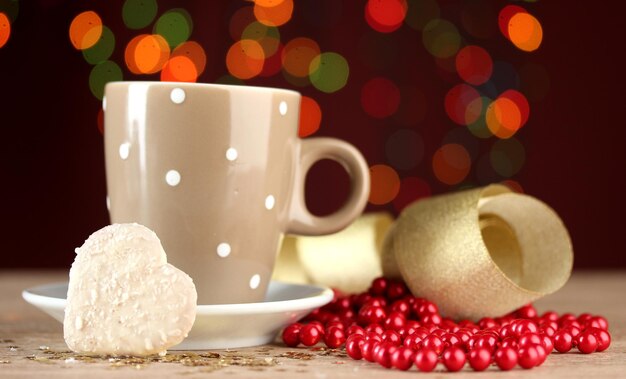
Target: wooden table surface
<point>26,332</point>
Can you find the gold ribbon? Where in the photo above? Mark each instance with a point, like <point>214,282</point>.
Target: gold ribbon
<point>348,260</point>
<point>481,252</point>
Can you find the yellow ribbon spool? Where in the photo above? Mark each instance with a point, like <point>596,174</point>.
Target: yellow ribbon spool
<point>481,252</point>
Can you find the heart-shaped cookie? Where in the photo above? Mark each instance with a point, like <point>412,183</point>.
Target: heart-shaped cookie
<point>124,298</point>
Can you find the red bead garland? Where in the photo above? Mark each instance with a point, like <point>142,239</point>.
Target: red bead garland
<point>389,326</point>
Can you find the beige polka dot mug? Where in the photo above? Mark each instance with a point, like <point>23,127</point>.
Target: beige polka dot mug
<point>218,173</point>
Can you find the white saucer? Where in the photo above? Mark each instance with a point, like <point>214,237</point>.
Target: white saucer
<point>219,326</point>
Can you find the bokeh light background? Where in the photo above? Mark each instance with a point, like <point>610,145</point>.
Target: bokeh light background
<point>400,42</point>
<point>438,95</point>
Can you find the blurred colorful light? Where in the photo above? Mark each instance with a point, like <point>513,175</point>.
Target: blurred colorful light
<point>179,69</point>
<point>525,32</point>
<point>505,16</point>
<point>175,26</point>
<point>479,127</point>
<point>451,163</point>
<point>103,49</point>
<point>243,17</point>
<point>503,117</point>
<point>245,59</point>
<point>194,52</point>
<point>5,29</point>
<point>310,117</point>
<point>101,74</point>
<point>474,65</point>
<point>138,14</point>
<point>385,16</point>
<point>441,38</point>
<point>85,30</point>
<point>380,97</point>
<point>276,15</point>
<point>329,72</point>
<point>298,55</point>
<point>385,184</point>
<point>463,104</point>
<point>274,63</point>
<point>267,36</point>
<point>522,104</point>
<point>146,54</point>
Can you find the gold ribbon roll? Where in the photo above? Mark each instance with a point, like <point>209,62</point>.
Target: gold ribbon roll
<point>348,260</point>
<point>481,252</point>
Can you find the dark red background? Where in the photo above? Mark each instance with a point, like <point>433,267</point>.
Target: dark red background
<point>53,184</point>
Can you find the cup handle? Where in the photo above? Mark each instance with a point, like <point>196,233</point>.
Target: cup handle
<point>301,221</point>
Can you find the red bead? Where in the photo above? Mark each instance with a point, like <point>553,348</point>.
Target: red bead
<point>486,322</point>
<point>373,337</point>
<point>426,360</point>
<point>401,306</point>
<point>335,324</point>
<point>374,328</point>
<point>450,339</point>
<point>383,354</point>
<point>434,319</point>
<point>433,343</point>
<point>566,318</point>
<point>394,321</point>
<point>370,314</point>
<point>412,341</point>
<point>334,337</point>
<point>528,339</point>
<point>291,335</point>
<point>528,357</point>
<point>310,335</point>
<point>583,318</point>
<point>426,308</point>
<point>396,290</point>
<point>604,338</point>
<point>453,358</point>
<point>347,315</point>
<point>487,340</point>
<point>391,336</point>
<point>562,341</point>
<point>550,316</point>
<point>541,351</point>
<point>438,332</point>
<point>525,326</point>
<point>318,325</point>
<point>405,331</point>
<point>402,358</point>
<point>506,358</point>
<point>378,287</point>
<point>527,311</point>
<point>367,349</point>
<point>479,359</point>
<point>573,330</point>
<point>547,343</point>
<point>548,331</point>
<point>509,342</point>
<point>355,329</point>
<point>587,342</point>
<point>353,346</point>
<point>598,322</point>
